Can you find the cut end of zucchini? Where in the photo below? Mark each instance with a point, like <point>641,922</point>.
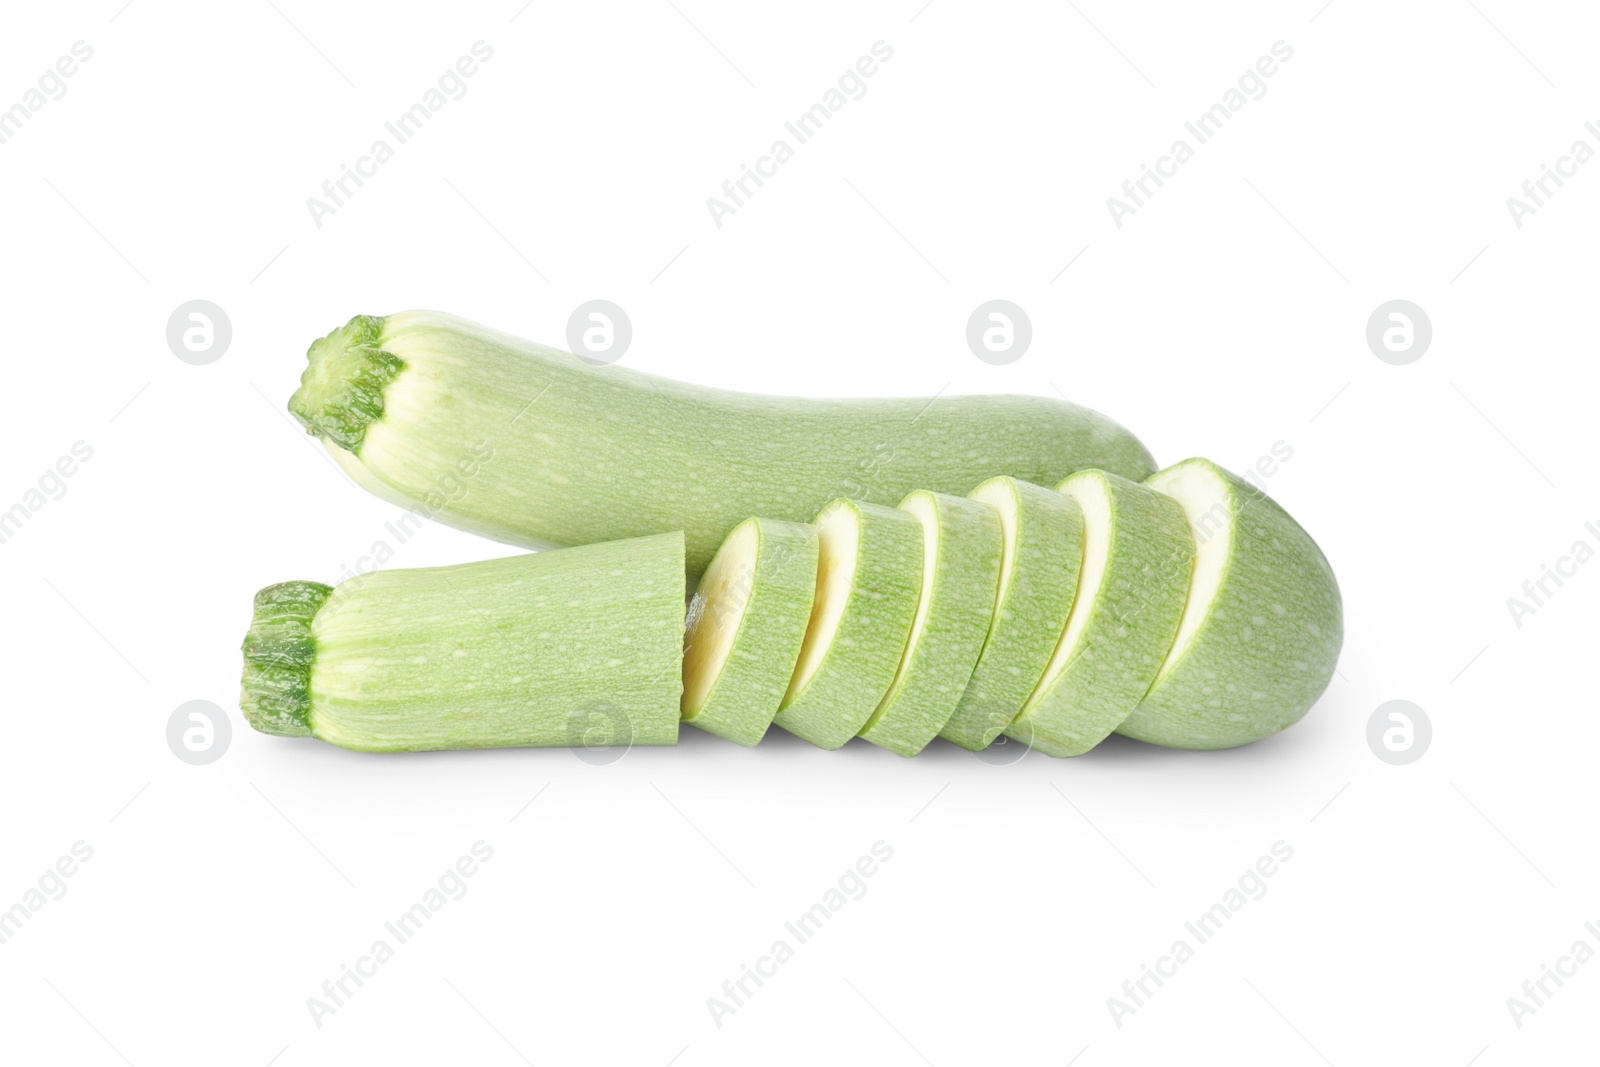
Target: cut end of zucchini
<point>341,391</point>
<point>278,653</point>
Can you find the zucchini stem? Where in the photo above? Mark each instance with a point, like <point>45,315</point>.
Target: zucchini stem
<point>279,651</point>
<point>341,390</point>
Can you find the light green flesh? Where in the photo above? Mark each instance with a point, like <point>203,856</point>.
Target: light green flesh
<point>960,579</point>
<point>557,649</point>
<point>1042,533</point>
<point>1138,556</point>
<point>869,579</point>
<point>535,447</point>
<point>746,624</point>
<point>1263,626</point>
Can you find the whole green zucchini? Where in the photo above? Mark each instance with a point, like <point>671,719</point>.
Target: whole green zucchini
<point>535,447</point>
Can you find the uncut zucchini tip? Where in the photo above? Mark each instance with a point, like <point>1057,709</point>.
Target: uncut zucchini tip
<point>341,390</point>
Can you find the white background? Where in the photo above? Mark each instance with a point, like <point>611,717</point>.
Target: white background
<point>1225,316</point>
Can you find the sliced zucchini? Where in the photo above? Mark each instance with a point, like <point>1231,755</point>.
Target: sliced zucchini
<point>746,623</point>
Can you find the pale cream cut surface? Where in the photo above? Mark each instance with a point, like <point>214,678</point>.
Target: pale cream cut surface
<point>1094,498</point>
<point>1206,500</point>
<point>920,505</point>
<point>1000,495</point>
<point>717,612</point>
<point>839,537</point>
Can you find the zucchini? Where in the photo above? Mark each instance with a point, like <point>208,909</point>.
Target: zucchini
<point>1261,632</point>
<point>869,579</point>
<point>576,647</point>
<point>1137,557</point>
<point>581,453</point>
<point>746,623</point>
<point>1042,549</point>
<point>960,580</point>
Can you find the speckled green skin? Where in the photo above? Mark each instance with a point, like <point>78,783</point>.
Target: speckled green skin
<point>1028,619</point>
<point>1134,617</point>
<point>561,649</point>
<point>778,595</point>
<point>1269,644</point>
<point>587,453</point>
<point>961,602</point>
<point>860,664</point>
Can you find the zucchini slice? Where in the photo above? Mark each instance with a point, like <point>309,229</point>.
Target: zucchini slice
<point>1137,558</point>
<point>869,579</point>
<point>746,623</point>
<point>1042,549</point>
<point>961,550</point>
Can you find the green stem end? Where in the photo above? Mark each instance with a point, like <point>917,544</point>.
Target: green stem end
<point>279,650</point>
<point>341,391</point>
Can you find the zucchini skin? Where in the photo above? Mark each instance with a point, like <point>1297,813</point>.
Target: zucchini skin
<point>582,453</point>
